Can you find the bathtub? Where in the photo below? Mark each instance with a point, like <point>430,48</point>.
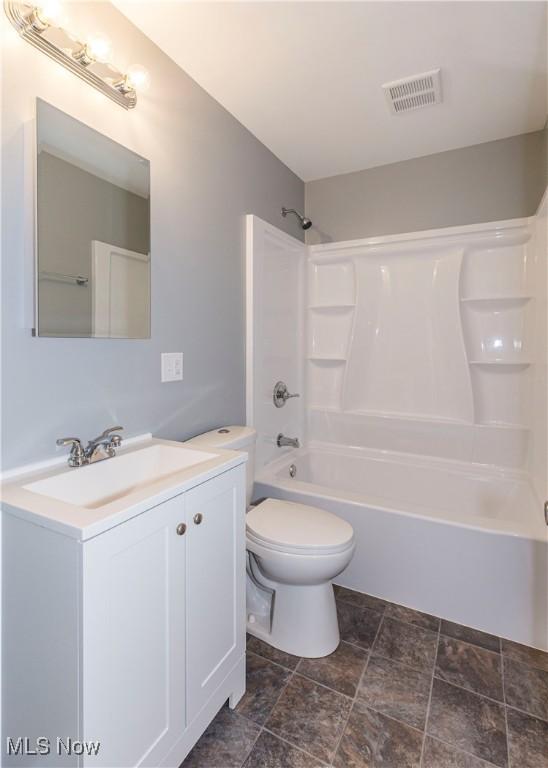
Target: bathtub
<point>466,542</point>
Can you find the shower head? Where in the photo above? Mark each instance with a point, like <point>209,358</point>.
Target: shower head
<point>305,223</point>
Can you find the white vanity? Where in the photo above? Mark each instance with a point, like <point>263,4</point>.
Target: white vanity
<point>124,604</point>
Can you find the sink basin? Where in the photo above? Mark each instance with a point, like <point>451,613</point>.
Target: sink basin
<point>106,481</point>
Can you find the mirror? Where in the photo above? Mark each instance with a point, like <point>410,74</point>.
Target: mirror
<point>92,232</point>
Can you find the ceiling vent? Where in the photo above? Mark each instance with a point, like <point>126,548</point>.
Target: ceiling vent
<point>414,92</point>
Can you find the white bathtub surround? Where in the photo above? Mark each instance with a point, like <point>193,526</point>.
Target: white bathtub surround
<point>431,341</point>
<point>275,334</point>
<point>438,326</point>
<point>539,401</point>
<point>425,410</point>
<point>492,445</point>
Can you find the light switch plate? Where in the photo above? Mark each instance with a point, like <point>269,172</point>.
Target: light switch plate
<point>172,366</point>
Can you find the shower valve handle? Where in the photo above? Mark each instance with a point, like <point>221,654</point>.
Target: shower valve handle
<point>281,394</point>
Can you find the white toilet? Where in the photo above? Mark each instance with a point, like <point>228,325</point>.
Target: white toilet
<point>293,553</point>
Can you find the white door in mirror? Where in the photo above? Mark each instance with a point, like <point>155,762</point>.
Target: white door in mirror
<point>120,286</point>
<point>172,366</point>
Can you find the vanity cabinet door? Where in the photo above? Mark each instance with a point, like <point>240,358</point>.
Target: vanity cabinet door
<point>215,584</point>
<point>134,638</point>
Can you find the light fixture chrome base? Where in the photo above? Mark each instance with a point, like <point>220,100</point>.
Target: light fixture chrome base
<point>23,17</point>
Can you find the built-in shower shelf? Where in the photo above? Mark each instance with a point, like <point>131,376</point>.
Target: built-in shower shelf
<point>503,425</point>
<point>327,359</point>
<point>503,363</point>
<point>331,307</point>
<point>508,300</point>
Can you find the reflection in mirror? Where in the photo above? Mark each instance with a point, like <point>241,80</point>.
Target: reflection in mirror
<point>93,232</point>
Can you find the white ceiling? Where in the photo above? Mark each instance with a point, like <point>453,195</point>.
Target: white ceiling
<point>305,77</point>
<point>64,137</point>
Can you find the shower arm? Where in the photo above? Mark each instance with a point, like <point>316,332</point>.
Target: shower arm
<point>304,222</point>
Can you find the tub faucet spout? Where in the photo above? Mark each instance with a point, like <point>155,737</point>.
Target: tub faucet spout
<point>282,441</point>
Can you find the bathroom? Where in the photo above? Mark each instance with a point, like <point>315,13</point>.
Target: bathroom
<point>302,306</point>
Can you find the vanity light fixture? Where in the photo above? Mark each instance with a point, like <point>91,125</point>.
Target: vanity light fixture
<point>40,25</point>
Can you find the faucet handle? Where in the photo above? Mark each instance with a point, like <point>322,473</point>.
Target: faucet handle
<point>106,433</point>
<point>77,453</point>
<point>281,394</point>
<point>116,441</point>
<point>74,441</point>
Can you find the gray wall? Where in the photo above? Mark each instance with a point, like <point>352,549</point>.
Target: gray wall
<point>74,208</point>
<point>487,182</point>
<point>207,171</point>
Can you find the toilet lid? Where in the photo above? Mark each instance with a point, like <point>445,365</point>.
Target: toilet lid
<point>298,526</point>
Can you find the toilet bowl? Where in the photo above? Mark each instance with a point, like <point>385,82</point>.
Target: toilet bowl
<point>293,553</point>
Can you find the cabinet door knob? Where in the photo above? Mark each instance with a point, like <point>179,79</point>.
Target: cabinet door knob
<point>181,529</point>
<point>198,517</point>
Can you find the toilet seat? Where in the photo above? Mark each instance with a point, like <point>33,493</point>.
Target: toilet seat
<point>286,526</point>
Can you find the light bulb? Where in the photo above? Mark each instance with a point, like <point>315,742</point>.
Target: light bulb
<point>50,12</point>
<point>99,48</point>
<point>138,78</point>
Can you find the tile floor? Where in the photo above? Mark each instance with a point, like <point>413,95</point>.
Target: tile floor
<point>402,690</point>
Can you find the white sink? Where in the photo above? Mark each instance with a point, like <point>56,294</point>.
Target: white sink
<point>106,481</point>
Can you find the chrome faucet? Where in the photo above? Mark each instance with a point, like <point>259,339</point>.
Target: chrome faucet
<point>102,447</point>
<point>282,441</point>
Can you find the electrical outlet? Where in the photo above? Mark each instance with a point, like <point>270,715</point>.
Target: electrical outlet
<point>172,366</point>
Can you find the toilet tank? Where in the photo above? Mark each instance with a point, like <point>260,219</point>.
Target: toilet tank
<point>232,439</point>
